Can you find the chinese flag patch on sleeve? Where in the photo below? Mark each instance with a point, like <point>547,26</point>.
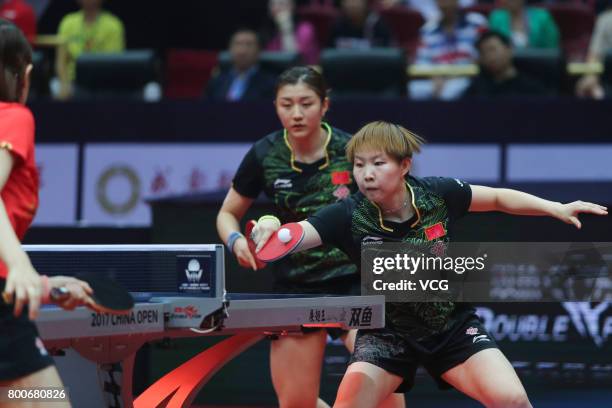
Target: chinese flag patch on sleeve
<point>341,177</point>
<point>435,231</point>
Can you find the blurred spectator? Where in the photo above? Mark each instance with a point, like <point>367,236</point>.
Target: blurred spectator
<point>527,26</point>
<point>358,27</point>
<point>449,41</point>
<point>498,76</point>
<point>244,81</point>
<point>589,86</point>
<point>21,14</point>
<point>89,30</point>
<point>428,8</point>
<point>283,32</point>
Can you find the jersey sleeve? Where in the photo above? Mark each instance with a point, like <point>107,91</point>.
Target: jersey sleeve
<point>248,180</point>
<point>332,222</point>
<point>457,194</point>
<point>17,132</point>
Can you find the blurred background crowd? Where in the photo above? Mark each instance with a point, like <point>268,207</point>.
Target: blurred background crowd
<point>231,51</point>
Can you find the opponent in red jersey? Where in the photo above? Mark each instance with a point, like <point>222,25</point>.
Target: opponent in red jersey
<point>24,362</point>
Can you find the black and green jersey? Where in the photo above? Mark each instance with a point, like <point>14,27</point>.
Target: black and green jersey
<point>356,221</point>
<point>299,190</point>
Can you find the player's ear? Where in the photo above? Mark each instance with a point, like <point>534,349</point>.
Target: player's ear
<point>324,106</point>
<point>406,165</point>
<point>25,85</point>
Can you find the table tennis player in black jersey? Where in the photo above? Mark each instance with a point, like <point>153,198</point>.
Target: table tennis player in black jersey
<point>301,168</point>
<point>393,206</point>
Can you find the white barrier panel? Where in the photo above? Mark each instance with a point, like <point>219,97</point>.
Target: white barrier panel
<point>559,162</point>
<point>472,163</point>
<point>58,170</point>
<point>118,178</point>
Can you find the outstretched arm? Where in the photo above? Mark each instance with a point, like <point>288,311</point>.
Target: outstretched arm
<point>519,203</point>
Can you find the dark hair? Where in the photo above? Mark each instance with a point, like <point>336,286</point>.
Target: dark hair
<point>306,75</point>
<point>15,56</point>
<point>493,34</point>
<point>249,30</point>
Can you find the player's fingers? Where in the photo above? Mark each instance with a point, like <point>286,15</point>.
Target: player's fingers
<point>20,299</point>
<point>246,258</point>
<point>88,301</point>
<point>595,208</point>
<point>574,220</point>
<point>82,289</point>
<point>9,291</point>
<point>77,292</point>
<point>34,301</point>
<point>265,236</point>
<point>88,290</point>
<point>252,262</point>
<point>255,233</point>
<point>243,260</point>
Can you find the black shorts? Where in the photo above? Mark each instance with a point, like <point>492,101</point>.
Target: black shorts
<point>349,285</point>
<point>392,352</point>
<point>21,350</point>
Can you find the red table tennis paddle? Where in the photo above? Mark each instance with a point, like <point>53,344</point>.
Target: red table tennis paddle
<point>276,248</point>
<point>248,230</point>
<point>108,296</point>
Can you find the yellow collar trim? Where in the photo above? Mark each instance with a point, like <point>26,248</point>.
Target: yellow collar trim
<point>327,140</point>
<point>412,202</point>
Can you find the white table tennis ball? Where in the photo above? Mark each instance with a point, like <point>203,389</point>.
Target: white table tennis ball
<point>284,235</point>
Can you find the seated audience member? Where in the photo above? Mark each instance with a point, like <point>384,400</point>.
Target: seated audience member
<point>358,27</point>
<point>498,76</point>
<point>590,86</point>
<point>527,26</point>
<point>282,32</point>
<point>244,80</point>
<point>21,14</point>
<point>90,29</point>
<point>450,41</point>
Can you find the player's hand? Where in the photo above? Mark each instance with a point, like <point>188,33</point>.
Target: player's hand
<point>23,285</point>
<point>263,231</point>
<point>243,254</point>
<point>79,292</point>
<point>568,213</point>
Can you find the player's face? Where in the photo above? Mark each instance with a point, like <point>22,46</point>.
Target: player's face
<point>379,176</point>
<point>300,110</point>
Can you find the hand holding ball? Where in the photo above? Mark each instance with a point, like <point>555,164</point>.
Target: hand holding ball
<point>284,235</point>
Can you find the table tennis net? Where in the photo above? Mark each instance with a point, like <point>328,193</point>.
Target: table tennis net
<point>138,270</point>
